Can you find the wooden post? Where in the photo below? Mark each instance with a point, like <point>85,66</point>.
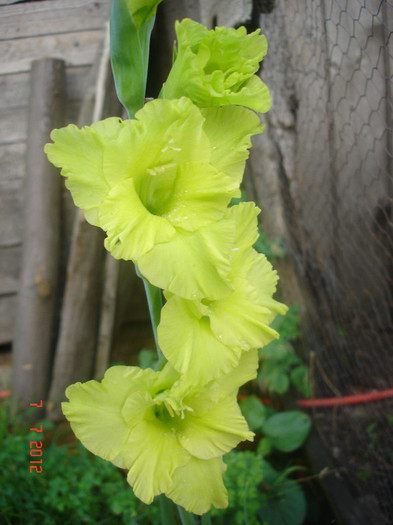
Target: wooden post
<point>75,350</point>
<point>37,300</point>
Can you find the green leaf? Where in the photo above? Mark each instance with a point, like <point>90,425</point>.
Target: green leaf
<point>274,377</point>
<point>288,325</point>
<point>285,505</point>
<point>265,446</point>
<point>287,430</point>
<point>147,358</point>
<point>254,412</point>
<point>274,351</point>
<point>300,379</point>
<point>142,10</point>
<point>129,55</point>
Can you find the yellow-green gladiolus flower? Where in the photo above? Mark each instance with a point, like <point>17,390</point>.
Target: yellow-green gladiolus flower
<point>142,10</point>
<point>217,67</point>
<point>212,335</point>
<point>159,185</point>
<point>169,435</point>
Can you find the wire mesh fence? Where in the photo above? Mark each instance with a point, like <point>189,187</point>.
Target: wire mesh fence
<point>336,183</point>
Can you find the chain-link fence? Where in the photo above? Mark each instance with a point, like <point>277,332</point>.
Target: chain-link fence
<point>330,70</point>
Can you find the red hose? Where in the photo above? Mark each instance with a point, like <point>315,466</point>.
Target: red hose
<point>346,400</point>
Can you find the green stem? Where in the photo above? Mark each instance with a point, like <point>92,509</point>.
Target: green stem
<point>166,510</point>
<point>186,518</point>
<point>154,301</point>
<point>206,519</point>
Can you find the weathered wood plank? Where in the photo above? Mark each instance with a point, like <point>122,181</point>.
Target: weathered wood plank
<point>13,122</point>
<point>7,317</point>
<point>76,49</point>
<point>12,170</point>
<point>12,161</point>
<point>74,358</point>
<point>225,12</point>
<point>35,318</point>
<point>11,212</point>
<point>13,125</point>
<point>58,16</point>
<point>14,88</point>
<point>107,317</point>
<point>10,258</point>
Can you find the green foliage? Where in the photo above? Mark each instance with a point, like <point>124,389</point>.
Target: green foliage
<point>279,365</point>
<point>255,412</point>
<point>284,431</point>
<point>147,359</point>
<point>74,487</point>
<point>130,43</point>
<point>273,249</point>
<point>259,494</point>
<point>282,500</point>
<point>287,431</point>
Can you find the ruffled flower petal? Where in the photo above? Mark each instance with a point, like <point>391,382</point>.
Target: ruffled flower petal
<point>199,196</point>
<point>246,233</point>
<point>94,411</point>
<point>215,432</point>
<point>154,453</point>
<point>161,428</point>
<point>163,133</point>
<point>195,351</point>
<point>230,129</point>
<point>242,319</point>
<point>229,384</point>
<point>193,265</point>
<point>217,67</point>
<point>131,229</point>
<point>198,485</point>
<point>81,153</point>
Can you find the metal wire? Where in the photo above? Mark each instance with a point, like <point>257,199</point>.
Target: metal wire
<point>341,225</point>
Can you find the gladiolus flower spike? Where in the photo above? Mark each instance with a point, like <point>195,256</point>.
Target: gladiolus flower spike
<point>160,186</point>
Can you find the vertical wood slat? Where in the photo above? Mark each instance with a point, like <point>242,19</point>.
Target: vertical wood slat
<point>38,295</point>
<point>80,315</point>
